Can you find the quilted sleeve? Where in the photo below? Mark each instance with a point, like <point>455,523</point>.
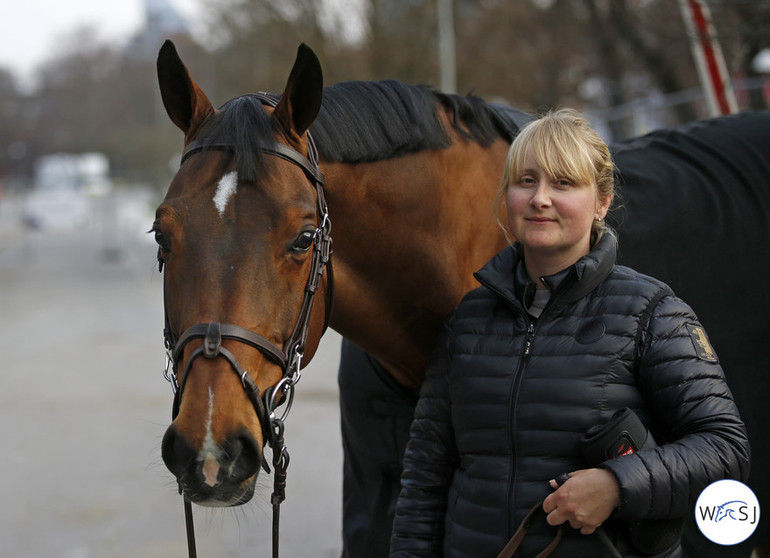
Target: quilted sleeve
<point>685,389</point>
<point>429,462</point>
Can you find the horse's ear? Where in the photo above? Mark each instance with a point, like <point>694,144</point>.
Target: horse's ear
<point>301,99</point>
<point>185,103</point>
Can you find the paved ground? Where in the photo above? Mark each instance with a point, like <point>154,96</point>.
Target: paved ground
<point>83,407</point>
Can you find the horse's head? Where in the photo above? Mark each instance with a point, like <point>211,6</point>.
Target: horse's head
<point>243,238</point>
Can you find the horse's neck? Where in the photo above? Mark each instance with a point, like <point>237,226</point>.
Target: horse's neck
<point>408,235</point>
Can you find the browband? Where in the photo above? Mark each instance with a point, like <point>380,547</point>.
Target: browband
<point>276,149</point>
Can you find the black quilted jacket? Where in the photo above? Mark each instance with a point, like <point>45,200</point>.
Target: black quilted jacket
<point>507,399</point>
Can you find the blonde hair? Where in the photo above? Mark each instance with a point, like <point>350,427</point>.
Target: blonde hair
<point>565,145</point>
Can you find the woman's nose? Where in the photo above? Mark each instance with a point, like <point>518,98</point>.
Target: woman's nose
<point>541,194</point>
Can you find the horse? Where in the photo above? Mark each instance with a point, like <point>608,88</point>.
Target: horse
<point>407,175</point>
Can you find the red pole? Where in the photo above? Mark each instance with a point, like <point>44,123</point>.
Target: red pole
<point>709,58</point>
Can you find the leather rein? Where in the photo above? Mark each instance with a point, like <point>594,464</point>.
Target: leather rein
<point>289,357</point>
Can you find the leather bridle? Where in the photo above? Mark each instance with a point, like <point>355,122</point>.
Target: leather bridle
<point>288,357</point>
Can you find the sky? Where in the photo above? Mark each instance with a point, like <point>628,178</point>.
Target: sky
<point>30,29</point>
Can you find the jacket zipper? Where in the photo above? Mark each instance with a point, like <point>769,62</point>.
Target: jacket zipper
<point>528,341</point>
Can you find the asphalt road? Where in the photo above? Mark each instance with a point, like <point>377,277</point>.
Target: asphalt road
<point>83,407</point>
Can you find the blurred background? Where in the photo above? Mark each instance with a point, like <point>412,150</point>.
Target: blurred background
<point>91,86</point>
<point>87,151</point>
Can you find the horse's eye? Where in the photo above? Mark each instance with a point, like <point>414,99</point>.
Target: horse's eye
<point>162,244</point>
<point>160,238</point>
<point>303,242</point>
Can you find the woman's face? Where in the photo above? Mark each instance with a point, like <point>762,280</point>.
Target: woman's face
<point>552,218</point>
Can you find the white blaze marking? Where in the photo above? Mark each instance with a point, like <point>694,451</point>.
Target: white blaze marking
<point>210,470</point>
<point>210,463</point>
<point>225,190</point>
<point>208,443</point>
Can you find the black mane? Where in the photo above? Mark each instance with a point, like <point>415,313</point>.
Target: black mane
<point>363,121</point>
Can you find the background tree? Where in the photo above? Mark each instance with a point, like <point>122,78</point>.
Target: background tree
<point>606,57</point>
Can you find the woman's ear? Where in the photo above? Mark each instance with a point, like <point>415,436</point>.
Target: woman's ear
<point>603,206</point>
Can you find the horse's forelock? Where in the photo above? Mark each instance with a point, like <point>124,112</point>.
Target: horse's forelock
<point>243,124</point>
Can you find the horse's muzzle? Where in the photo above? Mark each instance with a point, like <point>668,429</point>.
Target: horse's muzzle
<point>217,476</point>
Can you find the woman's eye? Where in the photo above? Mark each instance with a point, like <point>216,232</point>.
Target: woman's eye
<point>303,242</point>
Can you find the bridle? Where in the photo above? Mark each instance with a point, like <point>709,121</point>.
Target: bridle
<point>288,357</point>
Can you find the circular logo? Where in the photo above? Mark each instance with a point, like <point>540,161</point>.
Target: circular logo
<point>727,512</point>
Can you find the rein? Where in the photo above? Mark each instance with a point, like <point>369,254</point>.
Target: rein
<point>289,357</point>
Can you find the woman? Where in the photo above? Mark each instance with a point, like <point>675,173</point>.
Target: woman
<point>555,341</point>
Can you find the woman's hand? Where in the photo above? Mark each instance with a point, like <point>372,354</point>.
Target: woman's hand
<point>587,499</point>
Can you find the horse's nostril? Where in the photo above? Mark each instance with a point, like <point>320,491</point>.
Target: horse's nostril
<point>245,455</point>
<point>176,452</point>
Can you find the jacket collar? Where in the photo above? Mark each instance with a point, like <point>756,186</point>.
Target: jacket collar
<point>567,286</point>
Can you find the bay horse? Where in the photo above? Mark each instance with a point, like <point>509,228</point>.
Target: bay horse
<point>407,175</point>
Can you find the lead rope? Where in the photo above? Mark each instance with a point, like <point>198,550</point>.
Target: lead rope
<point>280,465</point>
<point>190,526</point>
<point>521,532</point>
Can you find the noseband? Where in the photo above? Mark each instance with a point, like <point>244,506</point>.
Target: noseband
<point>289,357</point>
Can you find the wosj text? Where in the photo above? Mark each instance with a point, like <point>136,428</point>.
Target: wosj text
<point>736,510</point>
